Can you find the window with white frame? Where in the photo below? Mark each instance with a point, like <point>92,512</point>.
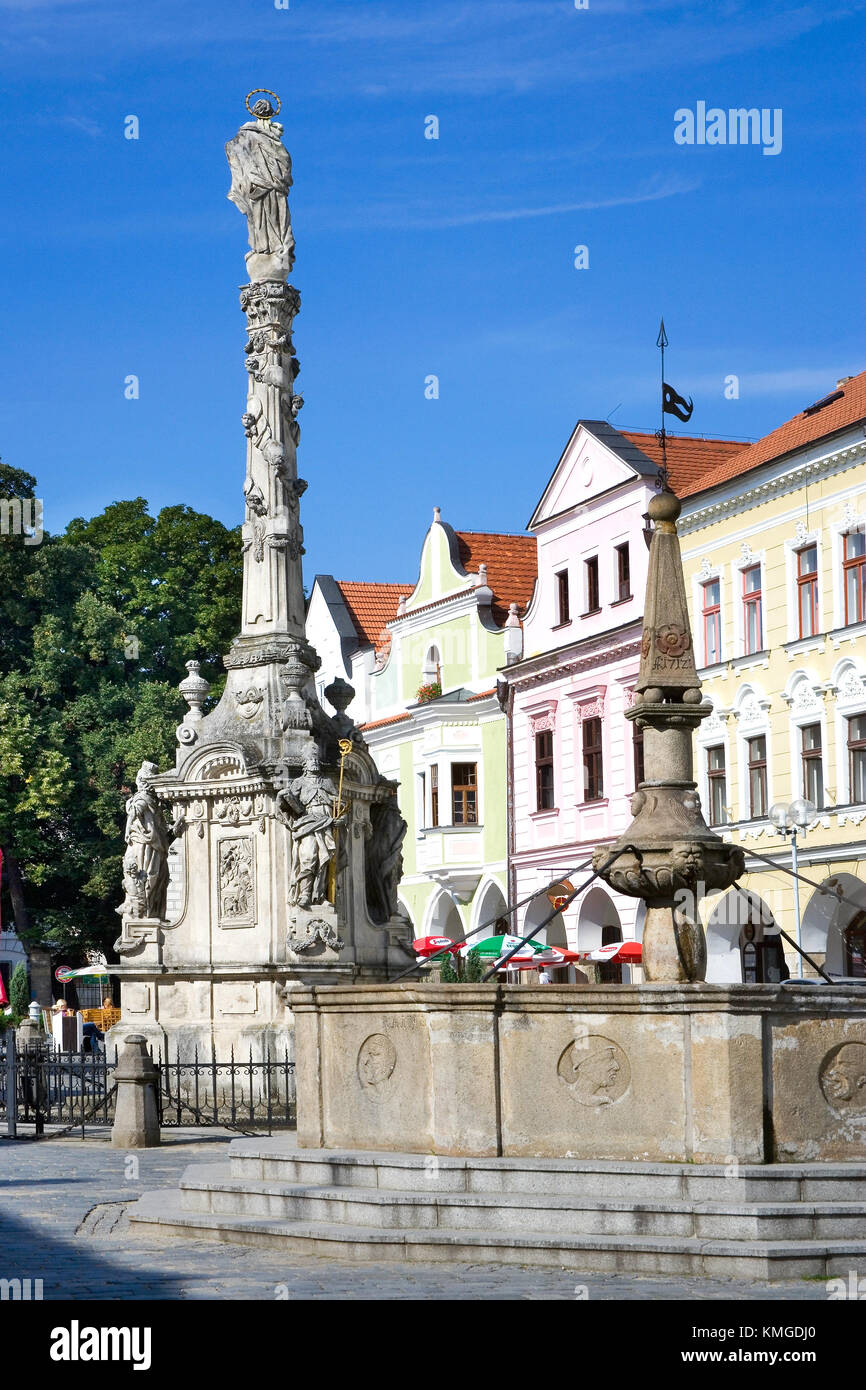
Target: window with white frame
<point>854,575</point>
<point>593,759</point>
<point>756,775</point>
<point>856,726</point>
<point>711,614</point>
<point>717,783</point>
<point>808,609</point>
<point>753,611</point>
<point>812,764</point>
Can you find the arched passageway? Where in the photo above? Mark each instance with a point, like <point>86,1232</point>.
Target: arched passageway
<point>834,932</point>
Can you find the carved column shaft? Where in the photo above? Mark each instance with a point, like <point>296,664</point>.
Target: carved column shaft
<point>273,596</point>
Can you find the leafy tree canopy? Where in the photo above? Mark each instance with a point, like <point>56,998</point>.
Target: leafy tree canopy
<point>96,626</point>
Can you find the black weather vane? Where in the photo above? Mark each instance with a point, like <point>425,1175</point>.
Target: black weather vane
<point>672,404</point>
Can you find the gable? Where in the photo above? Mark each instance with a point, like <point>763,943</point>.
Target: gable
<point>596,458</point>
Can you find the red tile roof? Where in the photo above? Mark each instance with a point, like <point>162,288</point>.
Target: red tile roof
<point>481,695</point>
<point>689,459</point>
<point>846,406</point>
<point>380,723</point>
<point>512,566</point>
<point>370,607</point>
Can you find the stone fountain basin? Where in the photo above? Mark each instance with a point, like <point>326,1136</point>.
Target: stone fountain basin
<point>695,1073</point>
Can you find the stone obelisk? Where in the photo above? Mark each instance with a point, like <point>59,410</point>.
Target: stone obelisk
<point>668,855</point>
<point>287,851</point>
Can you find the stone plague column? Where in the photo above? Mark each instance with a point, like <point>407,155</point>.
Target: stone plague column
<point>271,854</point>
<point>668,855</point>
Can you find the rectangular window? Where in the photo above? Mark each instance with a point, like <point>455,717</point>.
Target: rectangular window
<point>464,793</point>
<point>757,777</point>
<point>544,798</point>
<point>562,601</point>
<point>434,795</point>
<point>623,573</point>
<point>591,569</point>
<point>807,590</point>
<point>422,792</point>
<point>717,784</point>
<point>637,754</point>
<point>593,772</point>
<point>753,625</point>
<point>857,758</point>
<point>712,615</point>
<point>855,577</point>
<point>813,766</point>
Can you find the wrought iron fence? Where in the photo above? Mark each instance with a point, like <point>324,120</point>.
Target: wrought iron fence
<point>42,1088</point>
<point>252,1094</point>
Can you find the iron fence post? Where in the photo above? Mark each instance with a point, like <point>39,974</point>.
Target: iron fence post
<point>11,1086</point>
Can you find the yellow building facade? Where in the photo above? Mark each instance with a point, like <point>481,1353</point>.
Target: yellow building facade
<point>774,554</point>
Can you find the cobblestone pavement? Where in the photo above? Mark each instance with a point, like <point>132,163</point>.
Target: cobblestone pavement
<point>62,1221</point>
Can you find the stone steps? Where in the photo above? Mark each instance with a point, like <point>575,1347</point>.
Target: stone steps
<point>212,1189</point>
<point>813,1182</point>
<point>806,1220</point>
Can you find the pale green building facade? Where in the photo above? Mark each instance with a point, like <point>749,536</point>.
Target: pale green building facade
<point>426,700</point>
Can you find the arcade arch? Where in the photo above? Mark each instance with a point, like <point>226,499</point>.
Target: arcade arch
<point>443,918</point>
<point>836,930</point>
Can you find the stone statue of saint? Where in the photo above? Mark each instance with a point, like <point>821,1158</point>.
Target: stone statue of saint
<point>145,864</point>
<point>309,802</point>
<point>261,178</point>
<point>384,859</point>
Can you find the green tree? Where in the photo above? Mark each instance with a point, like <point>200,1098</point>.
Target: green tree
<point>19,990</point>
<point>474,968</point>
<point>96,626</point>
<point>447,973</point>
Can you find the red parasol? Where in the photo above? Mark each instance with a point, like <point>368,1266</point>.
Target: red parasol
<point>432,945</point>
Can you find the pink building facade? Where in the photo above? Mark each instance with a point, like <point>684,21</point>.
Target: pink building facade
<point>574,759</point>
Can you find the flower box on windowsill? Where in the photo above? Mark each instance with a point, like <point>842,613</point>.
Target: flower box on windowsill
<point>426,693</point>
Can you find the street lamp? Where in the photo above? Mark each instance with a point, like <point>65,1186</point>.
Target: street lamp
<point>801,815</point>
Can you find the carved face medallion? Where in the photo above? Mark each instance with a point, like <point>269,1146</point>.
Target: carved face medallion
<point>377,1058</point>
<point>596,1070</point>
<point>842,1078</point>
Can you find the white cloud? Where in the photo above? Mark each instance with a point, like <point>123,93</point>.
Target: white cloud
<point>398,216</point>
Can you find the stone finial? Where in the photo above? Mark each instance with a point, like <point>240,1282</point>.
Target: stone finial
<point>339,694</point>
<point>481,581</point>
<point>667,662</point>
<point>437,514</point>
<point>513,635</point>
<point>401,605</point>
<point>194,689</point>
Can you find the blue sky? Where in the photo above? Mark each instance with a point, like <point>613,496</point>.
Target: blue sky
<point>415,257</point>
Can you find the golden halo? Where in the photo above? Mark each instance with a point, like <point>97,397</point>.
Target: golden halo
<point>267,91</point>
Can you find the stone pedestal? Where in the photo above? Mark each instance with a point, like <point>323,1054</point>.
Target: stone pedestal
<point>136,1113</point>
<point>660,1073</point>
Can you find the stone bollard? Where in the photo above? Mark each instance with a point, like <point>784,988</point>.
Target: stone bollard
<point>136,1113</point>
